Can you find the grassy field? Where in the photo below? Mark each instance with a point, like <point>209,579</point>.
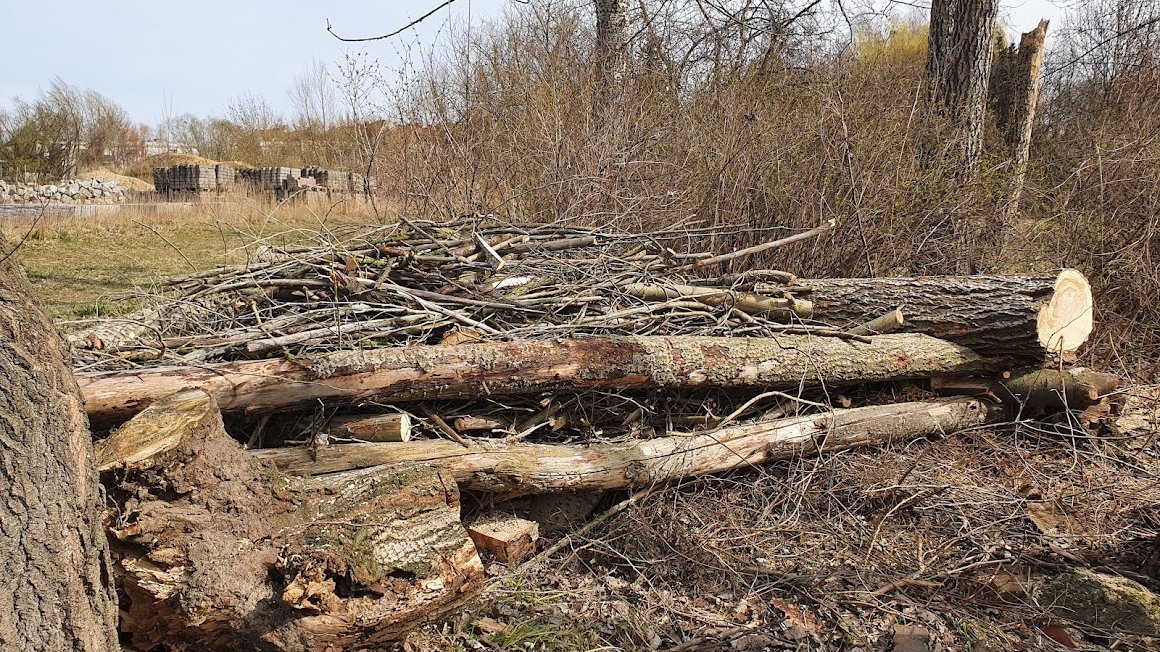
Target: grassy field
<point>84,267</point>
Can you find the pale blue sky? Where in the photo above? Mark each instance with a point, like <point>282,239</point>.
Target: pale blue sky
<point>162,56</point>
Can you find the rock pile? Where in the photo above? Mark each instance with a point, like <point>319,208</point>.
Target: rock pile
<point>74,191</point>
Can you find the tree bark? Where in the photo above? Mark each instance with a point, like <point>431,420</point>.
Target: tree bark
<point>56,588</point>
<point>1025,98</point>
<point>611,43</point>
<point>1023,318</point>
<point>214,551</point>
<point>514,469</point>
<point>958,67</point>
<point>506,368</point>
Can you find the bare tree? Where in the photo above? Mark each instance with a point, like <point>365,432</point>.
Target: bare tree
<point>314,98</point>
<point>958,67</point>
<point>56,588</point>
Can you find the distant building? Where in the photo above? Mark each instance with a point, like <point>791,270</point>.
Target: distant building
<point>156,146</point>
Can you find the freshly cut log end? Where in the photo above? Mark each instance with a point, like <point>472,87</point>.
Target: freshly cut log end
<point>887,323</point>
<point>373,427</point>
<point>1065,319</point>
<point>1025,319</point>
<point>507,538</point>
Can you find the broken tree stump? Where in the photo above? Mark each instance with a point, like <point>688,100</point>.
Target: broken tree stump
<point>515,469</point>
<point>524,367</point>
<point>214,551</point>
<point>1023,318</point>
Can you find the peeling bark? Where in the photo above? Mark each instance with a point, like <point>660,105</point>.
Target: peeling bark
<point>506,368</point>
<point>216,552</point>
<point>514,469</point>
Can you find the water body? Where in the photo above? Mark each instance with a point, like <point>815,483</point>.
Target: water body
<point>32,211</point>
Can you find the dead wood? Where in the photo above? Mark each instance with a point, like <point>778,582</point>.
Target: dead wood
<point>1036,391</point>
<point>506,368</point>
<point>215,552</point>
<point>523,468</point>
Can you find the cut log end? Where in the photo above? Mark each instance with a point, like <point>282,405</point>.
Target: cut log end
<point>373,427</point>
<point>1065,320</point>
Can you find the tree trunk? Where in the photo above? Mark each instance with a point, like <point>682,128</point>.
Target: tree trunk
<point>958,67</point>
<point>611,43</point>
<point>1025,98</point>
<point>215,552</point>
<point>506,368</point>
<point>514,469</point>
<point>55,578</point>
<point>1023,318</point>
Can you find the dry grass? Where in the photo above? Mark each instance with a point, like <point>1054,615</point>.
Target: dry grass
<point>102,265</point>
<point>953,535</point>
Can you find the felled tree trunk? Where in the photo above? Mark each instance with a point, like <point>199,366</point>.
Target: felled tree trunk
<point>505,368</point>
<point>213,551</point>
<point>1022,318</point>
<point>521,468</point>
<point>55,592</point>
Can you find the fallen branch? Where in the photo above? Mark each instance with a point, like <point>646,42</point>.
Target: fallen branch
<point>522,468</point>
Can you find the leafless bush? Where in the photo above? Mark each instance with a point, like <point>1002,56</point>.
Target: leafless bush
<point>1098,157</point>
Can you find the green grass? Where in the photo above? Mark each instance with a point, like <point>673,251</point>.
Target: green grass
<point>108,265</point>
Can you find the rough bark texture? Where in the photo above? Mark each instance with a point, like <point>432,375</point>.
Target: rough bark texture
<point>1025,98</point>
<point>471,370</point>
<point>958,67</point>
<point>56,589</point>
<point>994,315</point>
<point>215,552</point>
<point>611,42</point>
<point>1051,389</point>
<point>519,468</point>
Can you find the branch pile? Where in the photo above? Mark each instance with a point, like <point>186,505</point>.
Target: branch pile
<point>420,360</point>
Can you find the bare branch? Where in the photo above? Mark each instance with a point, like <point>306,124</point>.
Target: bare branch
<point>402,29</point>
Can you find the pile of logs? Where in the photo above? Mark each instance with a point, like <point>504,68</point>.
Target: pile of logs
<point>311,500</point>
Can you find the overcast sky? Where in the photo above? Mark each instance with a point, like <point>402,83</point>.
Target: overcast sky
<point>161,57</point>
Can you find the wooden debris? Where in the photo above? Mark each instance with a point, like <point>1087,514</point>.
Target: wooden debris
<point>215,552</point>
<point>1021,317</point>
<point>515,468</point>
<point>888,322</point>
<point>507,538</point>
<point>528,367</point>
<point>372,427</point>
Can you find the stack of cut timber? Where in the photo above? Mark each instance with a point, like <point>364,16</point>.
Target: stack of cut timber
<point>381,376</point>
